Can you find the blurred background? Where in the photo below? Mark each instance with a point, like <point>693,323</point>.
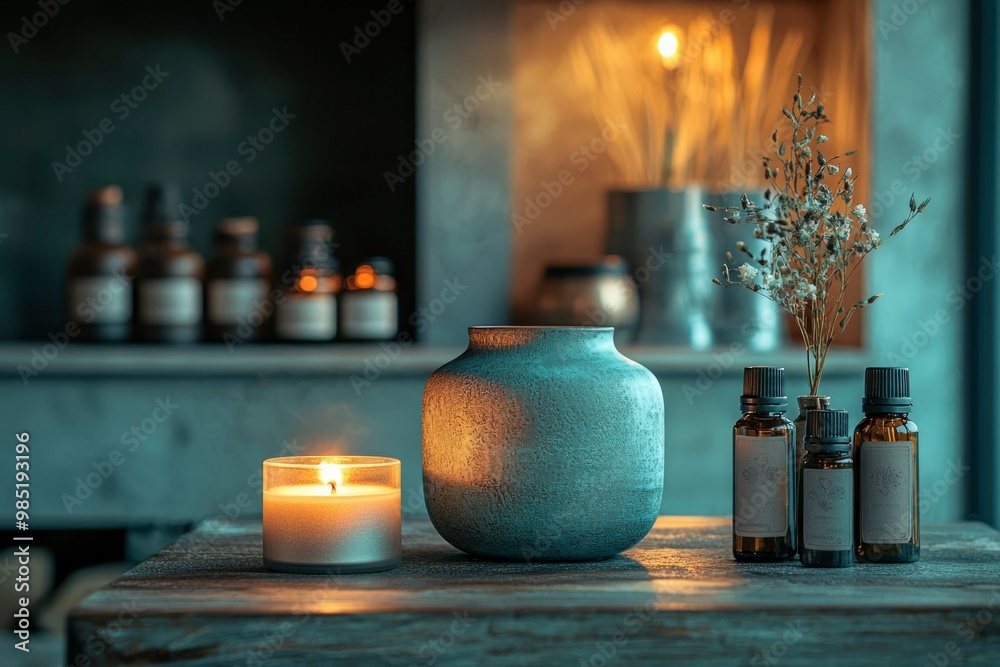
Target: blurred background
<point>517,162</point>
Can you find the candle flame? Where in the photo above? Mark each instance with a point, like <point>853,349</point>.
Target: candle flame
<point>331,473</point>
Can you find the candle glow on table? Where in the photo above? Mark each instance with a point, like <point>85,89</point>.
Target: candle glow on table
<point>332,514</point>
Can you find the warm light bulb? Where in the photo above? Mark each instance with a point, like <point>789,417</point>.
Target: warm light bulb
<point>667,44</point>
<point>669,47</point>
<point>331,473</point>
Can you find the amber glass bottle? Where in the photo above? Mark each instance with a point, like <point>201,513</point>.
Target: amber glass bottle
<point>887,521</point>
<point>101,270</point>
<point>170,274</point>
<point>763,470</point>
<point>309,285</point>
<point>237,280</point>
<point>806,403</point>
<point>826,492</point>
<point>369,307</point>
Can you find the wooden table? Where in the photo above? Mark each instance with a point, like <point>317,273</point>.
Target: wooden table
<point>678,598</point>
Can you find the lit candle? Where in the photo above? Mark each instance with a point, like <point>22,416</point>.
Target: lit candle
<point>331,515</point>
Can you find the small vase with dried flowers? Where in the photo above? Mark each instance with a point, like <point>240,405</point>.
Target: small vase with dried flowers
<point>816,239</point>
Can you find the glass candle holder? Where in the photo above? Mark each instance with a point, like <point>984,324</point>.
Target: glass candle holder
<point>332,514</point>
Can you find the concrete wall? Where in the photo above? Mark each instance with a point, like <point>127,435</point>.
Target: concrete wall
<point>235,414</point>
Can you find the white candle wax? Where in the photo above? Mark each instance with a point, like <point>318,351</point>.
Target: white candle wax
<point>311,528</point>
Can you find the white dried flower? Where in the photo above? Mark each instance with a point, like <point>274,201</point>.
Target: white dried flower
<point>806,291</point>
<point>811,239</point>
<point>748,273</point>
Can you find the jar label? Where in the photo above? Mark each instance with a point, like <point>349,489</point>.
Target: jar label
<point>369,314</point>
<point>230,301</point>
<point>170,301</point>
<point>101,300</point>
<point>307,317</point>
<point>760,502</point>
<point>886,492</point>
<point>828,509</point>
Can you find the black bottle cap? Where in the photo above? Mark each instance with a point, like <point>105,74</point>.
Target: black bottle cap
<point>764,387</point>
<point>104,215</point>
<point>887,390</point>
<point>827,428</point>
<point>162,204</point>
<point>383,266</point>
<point>311,244</point>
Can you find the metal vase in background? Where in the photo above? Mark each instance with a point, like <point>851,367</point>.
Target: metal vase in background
<point>665,237</point>
<point>742,317</point>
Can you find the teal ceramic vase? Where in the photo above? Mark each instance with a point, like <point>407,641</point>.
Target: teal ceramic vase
<point>543,444</point>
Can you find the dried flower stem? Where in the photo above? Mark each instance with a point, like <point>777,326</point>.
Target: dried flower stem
<point>816,240</point>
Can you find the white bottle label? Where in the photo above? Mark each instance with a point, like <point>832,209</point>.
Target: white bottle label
<point>828,509</point>
<point>101,300</point>
<point>307,317</point>
<point>369,314</point>
<point>760,503</point>
<point>170,301</point>
<point>230,301</point>
<point>886,492</point>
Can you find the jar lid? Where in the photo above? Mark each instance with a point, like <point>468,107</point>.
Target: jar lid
<point>612,265</point>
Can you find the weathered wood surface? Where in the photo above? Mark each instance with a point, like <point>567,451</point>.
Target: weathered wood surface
<point>678,598</point>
